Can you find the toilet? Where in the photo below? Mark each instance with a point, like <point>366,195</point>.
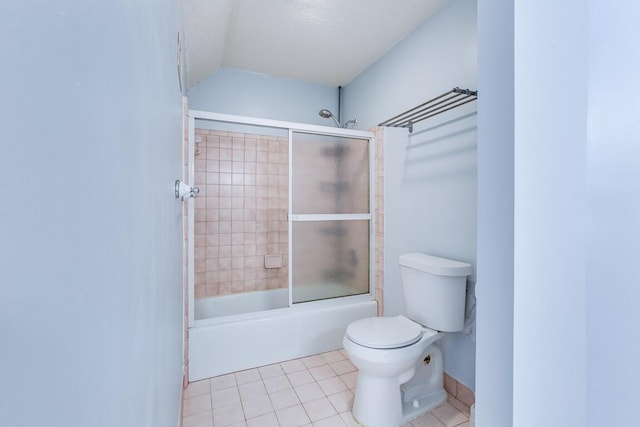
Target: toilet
<point>399,361</point>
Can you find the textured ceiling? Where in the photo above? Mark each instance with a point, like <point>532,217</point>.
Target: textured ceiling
<point>321,41</point>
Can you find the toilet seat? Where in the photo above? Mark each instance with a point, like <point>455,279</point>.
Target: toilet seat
<point>384,332</point>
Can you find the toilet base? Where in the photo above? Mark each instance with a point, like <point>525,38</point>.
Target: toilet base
<point>399,397</point>
<point>378,403</point>
<point>425,390</point>
<point>425,404</point>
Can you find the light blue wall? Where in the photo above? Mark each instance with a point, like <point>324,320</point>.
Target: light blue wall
<point>90,259</point>
<point>430,175</point>
<point>576,215</point>
<point>494,287</point>
<point>550,213</point>
<point>244,93</point>
<point>613,214</point>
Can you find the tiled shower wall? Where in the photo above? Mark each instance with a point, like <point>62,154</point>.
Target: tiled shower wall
<point>379,214</point>
<point>240,213</point>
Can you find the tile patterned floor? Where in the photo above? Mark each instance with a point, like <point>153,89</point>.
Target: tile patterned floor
<point>312,391</point>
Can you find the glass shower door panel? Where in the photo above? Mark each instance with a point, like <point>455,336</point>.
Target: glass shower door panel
<point>330,174</point>
<point>330,259</point>
<point>330,217</point>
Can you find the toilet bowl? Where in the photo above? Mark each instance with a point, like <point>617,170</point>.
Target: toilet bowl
<point>378,401</point>
<point>399,361</point>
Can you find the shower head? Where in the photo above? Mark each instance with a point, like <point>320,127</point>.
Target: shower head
<point>324,113</point>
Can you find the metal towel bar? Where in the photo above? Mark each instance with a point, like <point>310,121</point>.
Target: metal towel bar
<point>445,102</point>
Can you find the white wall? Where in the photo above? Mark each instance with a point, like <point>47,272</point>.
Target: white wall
<point>550,212</point>
<point>576,215</point>
<point>244,93</point>
<point>613,214</point>
<point>494,287</point>
<point>90,259</point>
<point>430,176</point>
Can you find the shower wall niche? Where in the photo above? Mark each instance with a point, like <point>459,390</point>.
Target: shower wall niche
<point>241,212</point>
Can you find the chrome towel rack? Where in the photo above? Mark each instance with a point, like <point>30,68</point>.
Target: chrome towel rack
<point>445,102</point>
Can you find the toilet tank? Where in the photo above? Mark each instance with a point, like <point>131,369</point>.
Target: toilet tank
<point>434,290</point>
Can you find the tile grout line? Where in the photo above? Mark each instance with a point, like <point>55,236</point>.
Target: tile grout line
<point>322,362</point>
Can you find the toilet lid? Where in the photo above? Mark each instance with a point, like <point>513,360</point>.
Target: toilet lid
<point>384,332</point>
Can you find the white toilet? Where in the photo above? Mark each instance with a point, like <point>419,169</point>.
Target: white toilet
<point>400,365</point>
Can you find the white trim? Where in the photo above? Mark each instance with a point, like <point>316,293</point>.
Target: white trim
<point>372,216</point>
<point>330,217</point>
<point>293,126</point>
<point>290,220</point>
<point>191,222</point>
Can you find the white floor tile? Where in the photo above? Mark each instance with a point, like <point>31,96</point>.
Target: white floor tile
<point>342,367</point>
<point>315,391</point>
<point>248,376</point>
<point>252,390</point>
<point>225,397</point>
<point>427,420</point>
<point>271,371</point>
<point>266,420</point>
<point>196,404</point>
<point>334,421</point>
<point>228,415</point>
<point>309,392</point>
<point>313,361</point>
<point>197,388</point>
<point>258,406</point>
<point>322,372</point>
<point>293,366</point>
<point>350,379</point>
<point>332,356</point>
<point>342,401</point>
<point>449,415</point>
<point>319,409</point>
<point>294,416</point>
<point>277,384</point>
<point>203,419</point>
<point>458,405</point>
<point>284,399</point>
<point>332,386</point>
<point>222,382</point>
<point>348,419</point>
<point>300,378</point>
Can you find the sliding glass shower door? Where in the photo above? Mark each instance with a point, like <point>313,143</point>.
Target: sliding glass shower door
<point>330,216</point>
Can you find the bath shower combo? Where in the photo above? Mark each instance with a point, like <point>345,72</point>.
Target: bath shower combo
<point>323,175</point>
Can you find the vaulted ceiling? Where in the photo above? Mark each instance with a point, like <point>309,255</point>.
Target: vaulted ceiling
<point>327,42</point>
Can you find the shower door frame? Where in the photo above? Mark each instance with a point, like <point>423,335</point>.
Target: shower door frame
<point>291,127</point>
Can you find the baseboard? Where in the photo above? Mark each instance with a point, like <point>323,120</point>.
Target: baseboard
<point>459,395</point>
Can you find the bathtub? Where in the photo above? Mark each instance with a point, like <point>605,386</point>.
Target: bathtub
<point>250,302</point>
<point>238,341</point>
